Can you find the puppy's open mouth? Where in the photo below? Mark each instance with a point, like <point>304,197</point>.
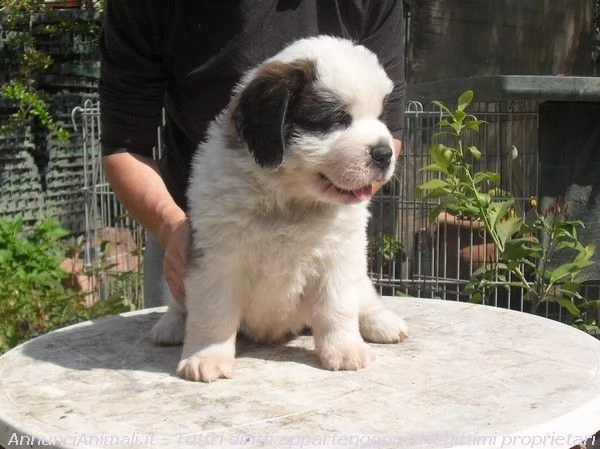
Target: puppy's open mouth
<point>361,194</point>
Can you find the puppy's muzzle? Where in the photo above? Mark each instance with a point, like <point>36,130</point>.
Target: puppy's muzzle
<point>381,156</point>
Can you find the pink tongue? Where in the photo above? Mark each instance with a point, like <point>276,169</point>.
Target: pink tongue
<point>363,194</point>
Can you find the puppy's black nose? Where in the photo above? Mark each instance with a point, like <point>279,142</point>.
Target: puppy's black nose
<point>381,155</point>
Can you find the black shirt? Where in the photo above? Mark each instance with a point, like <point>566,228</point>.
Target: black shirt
<point>186,55</point>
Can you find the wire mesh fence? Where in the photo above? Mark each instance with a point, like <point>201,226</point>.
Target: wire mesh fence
<point>409,254</point>
<point>415,255</point>
<point>113,241</point>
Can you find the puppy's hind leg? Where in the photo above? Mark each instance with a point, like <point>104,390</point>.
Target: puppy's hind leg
<point>170,329</point>
<point>378,324</point>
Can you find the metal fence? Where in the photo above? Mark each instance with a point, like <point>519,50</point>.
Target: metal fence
<point>113,241</point>
<point>408,253</point>
<point>414,255</point>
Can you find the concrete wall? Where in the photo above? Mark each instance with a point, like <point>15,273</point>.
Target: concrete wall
<point>463,38</point>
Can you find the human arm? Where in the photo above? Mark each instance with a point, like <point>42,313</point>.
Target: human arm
<point>132,85</point>
<point>137,183</point>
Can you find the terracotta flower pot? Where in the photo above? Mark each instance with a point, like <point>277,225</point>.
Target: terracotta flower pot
<point>462,246</point>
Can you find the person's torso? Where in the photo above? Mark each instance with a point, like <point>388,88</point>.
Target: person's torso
<point>208,46</point>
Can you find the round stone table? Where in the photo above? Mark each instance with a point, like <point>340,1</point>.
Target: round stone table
<point>468,376</point>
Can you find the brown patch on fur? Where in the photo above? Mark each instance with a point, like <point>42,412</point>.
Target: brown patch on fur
<point>291,75</point>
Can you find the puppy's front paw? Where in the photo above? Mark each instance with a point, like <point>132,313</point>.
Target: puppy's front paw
<point>383,326</point>
<point>169,330</point>
<point>206,367</point>
<point>349,356</point>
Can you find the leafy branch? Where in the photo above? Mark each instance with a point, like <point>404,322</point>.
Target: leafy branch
<point>22,92</point>
<point>35,295</point>
<point>29,104</point>
<point>526,251</point>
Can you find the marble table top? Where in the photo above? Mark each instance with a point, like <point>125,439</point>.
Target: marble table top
<point>469,376</point>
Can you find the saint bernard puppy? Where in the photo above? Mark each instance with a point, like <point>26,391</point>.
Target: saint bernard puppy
<point>278,201</point>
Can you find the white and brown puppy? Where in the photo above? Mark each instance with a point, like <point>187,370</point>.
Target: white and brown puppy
<point>278,205</point>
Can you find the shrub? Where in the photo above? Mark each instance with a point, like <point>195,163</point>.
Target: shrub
<point>527,249</point>
<point>33,299</point>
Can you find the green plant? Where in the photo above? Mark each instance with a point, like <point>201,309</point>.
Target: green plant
<point>20,46</point>
<point>387,245</point>
<point>124,286</point>
<point>21,91</point>
<point>29,104</point>
<point>33,299</point>
<point>527,250</point>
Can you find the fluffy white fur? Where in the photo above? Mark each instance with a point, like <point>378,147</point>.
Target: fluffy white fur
<point>278,248</point>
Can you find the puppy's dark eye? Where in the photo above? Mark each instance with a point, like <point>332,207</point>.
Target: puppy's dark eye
<point>319,112</point>
<point>341,119</point>
<point>324,122</point>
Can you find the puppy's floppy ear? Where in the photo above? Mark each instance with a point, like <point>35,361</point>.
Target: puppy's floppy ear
<point>261,109</point>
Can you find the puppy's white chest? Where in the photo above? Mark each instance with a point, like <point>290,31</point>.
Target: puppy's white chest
<point>286,259</point>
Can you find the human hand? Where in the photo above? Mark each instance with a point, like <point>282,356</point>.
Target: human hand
<point>175,261</point>
<point>398,151</point>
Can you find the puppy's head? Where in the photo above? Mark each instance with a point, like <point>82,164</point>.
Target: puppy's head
<point>312,116</point>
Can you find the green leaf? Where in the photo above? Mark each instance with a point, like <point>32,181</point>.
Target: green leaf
<point>498,211</point>
<point>476,298</point>
<point>441,154</point>
<point>590,305</point>
<point>483,199</point>
<point>443,107</point>
<point>505,230</point>
<point>566,270</point>
<point>482,270</point>
<point>459,117</point>
<point>492,177</point>
<point>569,306</point>
<point>435,212</point>
<point>591,329</point>
<point>473,125</point>
<point>457,127</point>
<point>435,168</point>
<point>465,100</point>
<point>585,254</point>
<point>478,178</point>
<point>439,134</point>
<point>570,289</point>
<point>433,184</point>
<point>474,152</point>
<point>443,123</point>
<point>517,249</point>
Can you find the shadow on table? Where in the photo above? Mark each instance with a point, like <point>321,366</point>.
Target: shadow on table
<point>123,343</point>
